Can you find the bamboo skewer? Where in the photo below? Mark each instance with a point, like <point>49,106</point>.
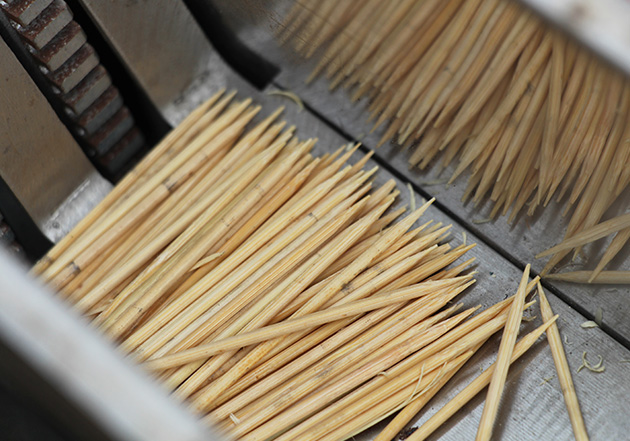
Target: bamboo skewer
<point>302,277</point>
<point>596,232</point>
<point>336,389</point>
<point>476,386</point>
<point>431,356</point>
<point>417,403</point>
<point>562,367</point>
<point>293,255</point>
<point>503,361</point>
<point>604,277</point>
<point>231,262</point>
<point>343,337</point>
<point>313,357</point>
<point>485,83</point>
<point>335,366</point>
<point>312,269</point>
<point>125,184</point>
<point>425,389</point>
<point>293,325</point>
<point>295,347</point>
<point>271,290</point>
<point>157,185</point>
<point>174,268</point>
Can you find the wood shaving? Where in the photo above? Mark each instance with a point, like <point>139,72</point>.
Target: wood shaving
<point>529,318</point>
<point>464,238</point>
<point>437,378</point>
<point>432,182</point>
<point>290,95</point>
<point>579,257</point>
<point>546,380</point>
<point>206,260</point>
<point>598,368</point>
<point>599,315</point>
<point>482,221</point>
<point>412,396</point>
<point>234,419</point>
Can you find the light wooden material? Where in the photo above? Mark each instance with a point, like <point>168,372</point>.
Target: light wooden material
<point>604,277</point>
<point>475,386</point>
<point>503,361</point>
<point>486,84</point>
<point>269,278</point>
<point>562,368</point>
<point>299,324</point>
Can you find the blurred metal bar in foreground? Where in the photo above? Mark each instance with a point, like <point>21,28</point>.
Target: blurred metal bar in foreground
<point>76,374</point>
<point>602,25</point>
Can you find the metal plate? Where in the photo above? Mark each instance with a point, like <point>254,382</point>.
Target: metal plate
<point>39,160</point>
<point>69,356</point>
<point>160,44</point>
<point>519,242</point>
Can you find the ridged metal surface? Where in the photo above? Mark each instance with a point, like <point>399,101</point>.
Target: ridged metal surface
<point>58,44</point>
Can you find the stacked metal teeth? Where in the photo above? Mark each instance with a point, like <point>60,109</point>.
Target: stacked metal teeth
<point>484,84</point>
<point>267,287</point>
<point>99,119</point>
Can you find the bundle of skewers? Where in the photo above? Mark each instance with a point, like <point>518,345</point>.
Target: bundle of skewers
<point>276,293</point>
<point>487,85</point>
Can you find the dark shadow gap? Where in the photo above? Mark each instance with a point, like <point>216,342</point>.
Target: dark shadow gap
<point>248,64</point>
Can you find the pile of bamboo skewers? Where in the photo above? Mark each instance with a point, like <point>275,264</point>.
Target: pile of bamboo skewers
<point>271,290</point>
<point>487,84</point>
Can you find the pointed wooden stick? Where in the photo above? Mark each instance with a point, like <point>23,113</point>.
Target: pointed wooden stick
<point>562,368</point>
<point>407,323</point>
<point>202,299</point>
<point>615,246</point>
<point>294,325</point>
<point>295,346</point>
<point>289,288</point>
<point>503,361</point>
<point>462,338</point>
<point>353,334</point>
<point>190,252</point>
<point>337,388</point>
<point>159,182</point>
<point>362,416</point>
<point>411,409</point>
<point>590,234</point>
<point>476,386</point>
<point>123,186</point>
<point>604,277</point>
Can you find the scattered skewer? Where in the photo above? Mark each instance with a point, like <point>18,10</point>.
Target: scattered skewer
<point>503,361</point>
<point>562,367</point>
